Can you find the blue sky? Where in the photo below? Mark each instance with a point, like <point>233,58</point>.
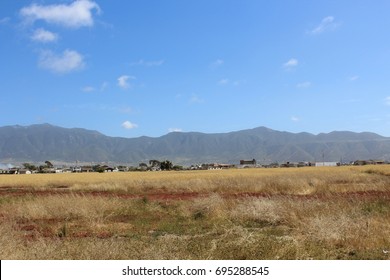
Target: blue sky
<point>148,67</point>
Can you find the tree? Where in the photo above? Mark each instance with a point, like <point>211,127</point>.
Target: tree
<point>178,167</point>
<point>98,168</point>
<point>29,166</point>
<point>49,164</point>
<point>154,164</point>
<point>143,166</point>
<point>166,165</point>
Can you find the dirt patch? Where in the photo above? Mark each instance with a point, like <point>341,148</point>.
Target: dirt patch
<point>30,227</point>
<point>61,187</point>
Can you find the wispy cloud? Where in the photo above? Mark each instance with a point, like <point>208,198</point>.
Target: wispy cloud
<point>104,86</point>
<point>290,64</point>
<point>91,88</point>
<point>196,99</point>
<point>304,85</point>
<point>153,63</point>
<point>74,15</point>
<point>175,130</point>
<point>223,82</point>
<point>129,125</point>
<point>63,63</point>
<point>5,20</point>
<point>353,78</point>
<point>236,83</point>
<point>239,82</point>
<point>44,36</point>
<point>387,100</point>
<point>295,119</point>
<point>327,23</point>
<point>88,89</point>
<point>124,81</point>
<point>125,110</point>
<point>217,63</point>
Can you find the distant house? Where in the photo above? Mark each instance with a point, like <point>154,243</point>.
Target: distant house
<point>367,162</point>
<point>331,163</point>
<point>24,171</point>
<point>247,163</point>
<point>13,170</point>
<point>48,170</point>
<point>212,166</point>
<point>123,168</point>
<point>76,169</point>
<point>305,163</point>
<point>86,169</point>
<point>243,161</point>
<point>108,168</point>
<point>290,164</point>
<point>272,165</point>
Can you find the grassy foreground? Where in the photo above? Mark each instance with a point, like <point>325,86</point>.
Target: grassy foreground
<point>305,213</point>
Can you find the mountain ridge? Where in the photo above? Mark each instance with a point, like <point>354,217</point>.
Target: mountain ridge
<point>40,142</point>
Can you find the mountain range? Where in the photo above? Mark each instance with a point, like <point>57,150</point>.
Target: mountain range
<point>38,143</point>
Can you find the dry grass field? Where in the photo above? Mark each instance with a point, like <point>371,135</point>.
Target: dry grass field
<point>297,213</point>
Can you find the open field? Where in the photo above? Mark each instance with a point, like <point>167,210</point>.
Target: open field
<point>297,213</point>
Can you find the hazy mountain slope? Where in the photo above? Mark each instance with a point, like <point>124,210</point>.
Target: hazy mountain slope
<point>38,143</point>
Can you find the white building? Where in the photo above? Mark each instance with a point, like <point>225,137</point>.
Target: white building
<point>327,163</point>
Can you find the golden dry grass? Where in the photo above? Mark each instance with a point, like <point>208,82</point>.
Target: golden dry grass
<point>305,213</point>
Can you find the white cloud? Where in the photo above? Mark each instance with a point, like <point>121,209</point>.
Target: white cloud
<point>327,23</point>
<point>66,62</point>
<point>44,36</point>
<point>175,130</point>
<point>295,119</point>
<point>304,85</point>
<point>129,125</point>
<point>123,81</point>
<point>293,62</point>
<point>74,15</point>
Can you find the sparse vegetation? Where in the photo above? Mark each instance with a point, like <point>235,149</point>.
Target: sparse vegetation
<point>305,213</point>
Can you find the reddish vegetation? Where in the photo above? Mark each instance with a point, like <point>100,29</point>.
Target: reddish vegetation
<point>9,191</point>
<point>104,235</point>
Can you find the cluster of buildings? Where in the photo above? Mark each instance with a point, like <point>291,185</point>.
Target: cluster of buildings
<point>204,166</point>
<point>47,170</point>
<point>253,164</point>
